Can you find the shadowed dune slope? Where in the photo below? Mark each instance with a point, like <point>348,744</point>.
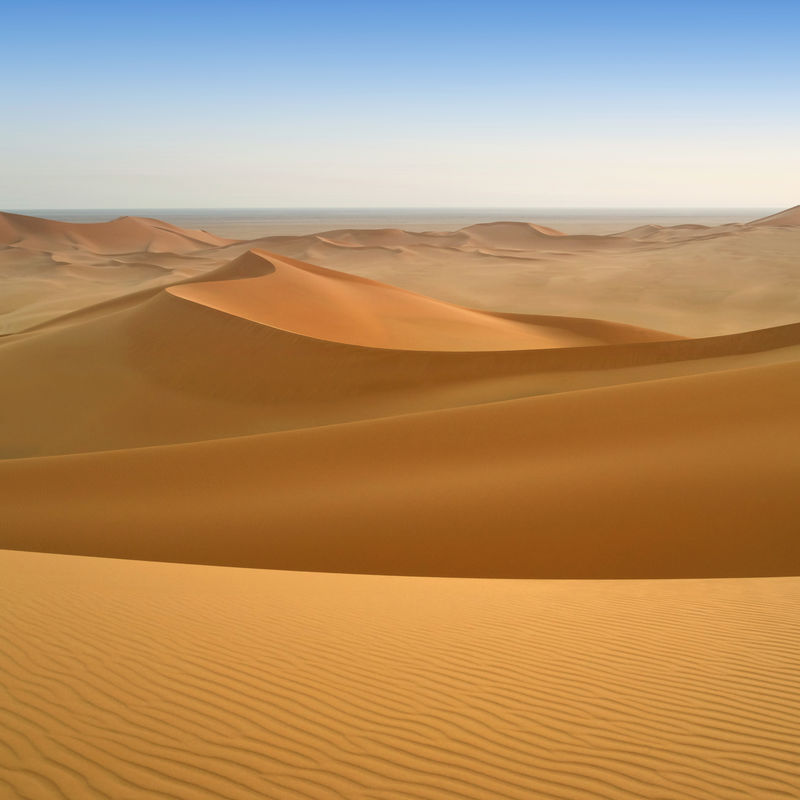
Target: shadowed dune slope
<point>692,476</point>
<point>189,682</point>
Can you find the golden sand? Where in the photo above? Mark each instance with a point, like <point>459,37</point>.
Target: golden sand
<point>451,422</point>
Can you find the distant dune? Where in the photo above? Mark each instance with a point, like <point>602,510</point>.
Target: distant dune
<point>123,235</point>
<point>692,280</point>
<point>430,415</point>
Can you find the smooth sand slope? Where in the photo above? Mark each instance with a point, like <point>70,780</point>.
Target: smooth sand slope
<point>322,304</point>
<point>692,476</point>
<point>168,396</point>
<point>143,680</point>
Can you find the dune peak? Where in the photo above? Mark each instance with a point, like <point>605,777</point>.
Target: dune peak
<point>787,217</point>
<point>325,304</point>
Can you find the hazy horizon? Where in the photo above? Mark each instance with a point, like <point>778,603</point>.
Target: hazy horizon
<point>609,209</point>
<point>251,223</point>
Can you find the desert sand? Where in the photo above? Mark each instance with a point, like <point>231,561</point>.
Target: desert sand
<point>496,512</point>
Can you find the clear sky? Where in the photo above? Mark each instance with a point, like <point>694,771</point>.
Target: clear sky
<point>438,103</point>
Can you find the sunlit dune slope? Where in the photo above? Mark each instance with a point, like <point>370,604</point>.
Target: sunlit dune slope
<point>313,301</point>
<point>690,476</point>
<point>791,216</point>
<point>142,680</point>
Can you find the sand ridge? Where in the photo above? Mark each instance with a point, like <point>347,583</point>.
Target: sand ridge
<point>312,301</point>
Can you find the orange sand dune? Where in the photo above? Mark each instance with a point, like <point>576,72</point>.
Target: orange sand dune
<point>691,476</point>
<point>323,304</point>
<point>138,680</point>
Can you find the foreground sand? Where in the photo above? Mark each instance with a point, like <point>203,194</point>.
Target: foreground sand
<point>142,680</point>
<point>242,407</point>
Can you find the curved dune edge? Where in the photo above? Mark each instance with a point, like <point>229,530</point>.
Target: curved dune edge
<point>685,477</point>
<point>165,370</point>
<point>142,680</point>
<point>324,304</point>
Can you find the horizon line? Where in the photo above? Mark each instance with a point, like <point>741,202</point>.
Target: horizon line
<point>387,208</point>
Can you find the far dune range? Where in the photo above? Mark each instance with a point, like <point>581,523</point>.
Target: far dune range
<point>694,280</point>
<point>584,414</point>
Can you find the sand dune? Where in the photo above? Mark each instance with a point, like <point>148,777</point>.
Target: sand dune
<point>196,682</point>
<point>790,217</point>
<point>639,480</point>
<point>692,280</point>
<point>80,264</point>
<point>430,415</point>
<point>161,368</point>
<point>122,235</point>
<point>312,301</point>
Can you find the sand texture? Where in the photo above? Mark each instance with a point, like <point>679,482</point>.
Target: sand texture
<point>501,512</point>
<point>143,680</point>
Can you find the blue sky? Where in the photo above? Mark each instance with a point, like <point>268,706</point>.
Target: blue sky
<point>314,104</point>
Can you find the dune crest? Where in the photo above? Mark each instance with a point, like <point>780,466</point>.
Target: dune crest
<point>788,217</point>
<point>313,301</point>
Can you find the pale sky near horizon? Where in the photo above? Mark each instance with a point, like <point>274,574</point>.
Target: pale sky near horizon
<point>359,104</point>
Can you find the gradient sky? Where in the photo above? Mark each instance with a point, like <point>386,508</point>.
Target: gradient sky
<point>292,104</point>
